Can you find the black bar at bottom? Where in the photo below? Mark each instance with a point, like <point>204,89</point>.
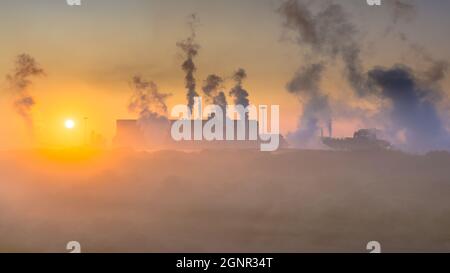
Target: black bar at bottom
<point>227,262</point>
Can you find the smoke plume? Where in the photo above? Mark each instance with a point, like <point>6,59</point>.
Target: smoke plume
<point>413,113</point>
<point>328,34</point>
<point>239,94</point>
<point>147,98</point>
<point>401,10</point>
<point>190,50</point>
<point>437,68</point>
<point>211,90</point>
<point>150,105</point>
<point>316,109</point>
<point>20,80</point>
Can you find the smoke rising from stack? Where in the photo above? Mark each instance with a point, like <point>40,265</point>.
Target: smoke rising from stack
<point>19,81</point>
<point>239,94</point>
<point>150,105</point>
<point>147,98</point>
<point>211,90</point>
<point>306,86</point>
<point>326,35</point>
<point>190,50</point>
<point>212,83</point>
<point>221,100</point>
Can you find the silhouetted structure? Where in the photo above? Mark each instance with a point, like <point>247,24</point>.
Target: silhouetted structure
<point>133,134</point>
<point>128,134</point>
<point>363,139</point>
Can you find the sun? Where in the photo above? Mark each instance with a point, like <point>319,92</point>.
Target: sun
<point>69,124</point>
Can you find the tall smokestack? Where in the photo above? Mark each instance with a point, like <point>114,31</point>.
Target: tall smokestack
<point>330,127</point>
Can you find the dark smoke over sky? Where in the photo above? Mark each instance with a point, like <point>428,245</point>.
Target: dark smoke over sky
<point>328,35</point>
<point>306,86</point>
<point>190,50</point>
<point>413,113</point>
<point>239,94</point>
<point>20,80</point>
<point>211,89</point>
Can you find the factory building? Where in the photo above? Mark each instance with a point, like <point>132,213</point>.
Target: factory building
<point>131,133</point>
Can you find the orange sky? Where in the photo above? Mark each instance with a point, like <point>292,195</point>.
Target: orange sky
<point>90,53</point>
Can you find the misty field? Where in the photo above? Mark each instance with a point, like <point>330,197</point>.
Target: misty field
<point>224,201</point>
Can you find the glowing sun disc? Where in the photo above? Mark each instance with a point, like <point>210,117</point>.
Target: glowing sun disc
<point>69,124</point>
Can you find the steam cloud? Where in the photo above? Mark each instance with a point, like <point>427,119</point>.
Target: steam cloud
<point>190,49</point>
<point>239,94</point>
<point>20,80</point>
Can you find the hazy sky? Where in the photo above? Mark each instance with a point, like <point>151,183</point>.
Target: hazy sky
<point>90,53</point>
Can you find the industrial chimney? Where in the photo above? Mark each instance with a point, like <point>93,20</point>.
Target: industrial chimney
<point>330,127</point>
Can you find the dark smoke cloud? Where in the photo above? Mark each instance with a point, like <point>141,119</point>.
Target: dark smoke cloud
<point>150,105</point>
<point>190,50</point>
<point>221,100</point>
<point>239,76</point>
<point>355,72</point>
<point>401,10</point>
<point>328,34</point>
<point>147,98</point>
<point>316,108</point>
<point>20,80</point>
<point>239,94</point>
<point>212,83</point>
<point>437,68</point>
<point>437,71</point>
<point>423,127</point>
<point>211,87</point>
<point>307,80</point>
<point>413,111</point>
<point>414,95</point>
